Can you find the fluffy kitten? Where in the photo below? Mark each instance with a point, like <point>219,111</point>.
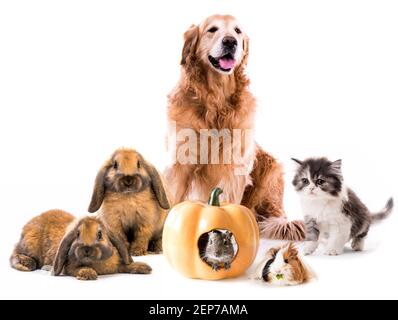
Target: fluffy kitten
<point>333,213</point>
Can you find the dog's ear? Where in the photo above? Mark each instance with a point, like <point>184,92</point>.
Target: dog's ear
<point>63,250</point>
<point>99,190</point>
<point>191,37</point>
<point>245,46</point>
<point>156,184</point>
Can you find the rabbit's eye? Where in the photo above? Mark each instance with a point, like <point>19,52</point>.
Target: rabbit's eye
<point>99,235</point>
<point>115,165</point>
<point>138,164</point>
<point>78,234</point>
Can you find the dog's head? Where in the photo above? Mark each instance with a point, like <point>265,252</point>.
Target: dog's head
<point>219,42</point>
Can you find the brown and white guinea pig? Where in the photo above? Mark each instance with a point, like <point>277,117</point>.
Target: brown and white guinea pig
<point>283,266</point>
<point>82,248</point>
<point>132,201</point>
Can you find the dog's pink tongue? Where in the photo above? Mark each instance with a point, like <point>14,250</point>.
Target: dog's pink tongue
<point>226,63</point>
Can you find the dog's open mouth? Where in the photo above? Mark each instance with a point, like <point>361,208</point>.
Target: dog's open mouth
<point>224,63</point>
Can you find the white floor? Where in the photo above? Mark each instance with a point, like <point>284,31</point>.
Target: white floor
<point>371,274</point>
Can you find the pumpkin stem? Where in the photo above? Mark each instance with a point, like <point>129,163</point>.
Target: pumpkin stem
<point>214,199</point>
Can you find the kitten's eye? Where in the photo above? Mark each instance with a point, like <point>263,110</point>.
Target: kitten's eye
<point>213,30</point>
<point>115,165</point>
<point>238,31</point>
<point>305,181</point>
<point>320,182</point>
<point>99,235</point>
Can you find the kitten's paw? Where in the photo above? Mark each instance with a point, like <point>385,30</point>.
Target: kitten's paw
<point>358,244</point>
<point>309,249</point>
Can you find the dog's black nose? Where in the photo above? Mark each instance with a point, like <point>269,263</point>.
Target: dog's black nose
<point>230,42</point>
<point>128,181</point>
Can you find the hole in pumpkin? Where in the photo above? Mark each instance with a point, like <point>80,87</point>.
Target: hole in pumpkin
<point>218,249</point>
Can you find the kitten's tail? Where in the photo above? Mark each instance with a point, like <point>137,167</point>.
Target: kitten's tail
<point>383,214</point>
<point>279,228</point>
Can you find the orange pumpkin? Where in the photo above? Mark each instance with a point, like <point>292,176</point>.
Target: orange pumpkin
<point>188,221</point>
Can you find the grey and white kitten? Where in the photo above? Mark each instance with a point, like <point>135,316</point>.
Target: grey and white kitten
<point>333,212</point>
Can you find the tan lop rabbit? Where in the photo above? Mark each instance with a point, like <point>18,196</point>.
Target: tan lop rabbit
<point>82,248</point>
<point>132,201</point>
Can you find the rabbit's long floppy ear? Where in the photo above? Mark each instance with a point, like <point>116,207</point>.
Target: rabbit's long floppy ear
<point>191,37</point>
<point>120,245</point>
<point>157,185</point>
<point>99,190</point>
<point>63,250</point>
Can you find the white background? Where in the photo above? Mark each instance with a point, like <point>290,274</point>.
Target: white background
<point>81,78</point>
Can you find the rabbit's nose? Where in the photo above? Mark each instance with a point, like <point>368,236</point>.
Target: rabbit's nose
<point>128,181</point>
<point>87,251</point>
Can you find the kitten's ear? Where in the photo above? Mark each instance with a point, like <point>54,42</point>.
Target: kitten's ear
<point>297,161</point>
<point>336,165</point>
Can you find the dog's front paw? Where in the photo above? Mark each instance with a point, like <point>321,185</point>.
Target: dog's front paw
<point>86,274</point>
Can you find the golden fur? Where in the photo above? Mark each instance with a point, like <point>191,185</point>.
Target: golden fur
<point>135,217</point>
<point>207,99</point>
<point>56,238</point>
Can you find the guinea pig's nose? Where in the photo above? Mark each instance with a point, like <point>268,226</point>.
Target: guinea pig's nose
<point>230,42</point>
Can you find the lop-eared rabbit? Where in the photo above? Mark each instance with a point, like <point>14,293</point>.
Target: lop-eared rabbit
<point>132,200</point>
<point>82,248</point>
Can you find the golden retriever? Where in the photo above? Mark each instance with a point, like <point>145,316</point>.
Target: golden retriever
<point>212,97</point>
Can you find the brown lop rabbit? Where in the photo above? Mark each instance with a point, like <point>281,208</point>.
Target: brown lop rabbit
<point>82,248</point>
<point>133,201</point>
